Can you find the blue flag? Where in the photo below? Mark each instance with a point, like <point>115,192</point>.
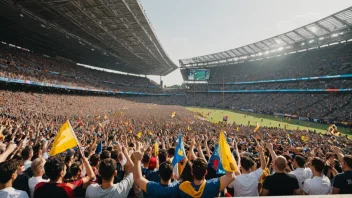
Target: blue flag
<point>215,162</point>
<point>179,151</point>
<point>99,148</point>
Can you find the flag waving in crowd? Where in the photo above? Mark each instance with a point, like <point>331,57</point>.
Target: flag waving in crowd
<point>65,139</point>
<point>227,160</point>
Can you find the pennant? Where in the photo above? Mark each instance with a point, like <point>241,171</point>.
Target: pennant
<point>65,139</point>
<point>256,128</point>
<point>226,157</point>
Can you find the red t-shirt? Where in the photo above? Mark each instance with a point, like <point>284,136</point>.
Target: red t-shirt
<point>56,190</point>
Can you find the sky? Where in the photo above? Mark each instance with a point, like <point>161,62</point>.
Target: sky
<point>189,28</point>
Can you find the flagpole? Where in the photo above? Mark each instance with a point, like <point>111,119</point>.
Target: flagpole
<point>74,134</point>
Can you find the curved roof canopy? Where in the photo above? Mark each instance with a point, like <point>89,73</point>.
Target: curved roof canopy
<point>317,33</point>
<point>114,34</point>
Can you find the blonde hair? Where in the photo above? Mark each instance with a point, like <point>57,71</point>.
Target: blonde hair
<point>37,164</point>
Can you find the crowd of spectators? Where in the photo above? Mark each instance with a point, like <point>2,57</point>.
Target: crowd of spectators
<point>271,161</point>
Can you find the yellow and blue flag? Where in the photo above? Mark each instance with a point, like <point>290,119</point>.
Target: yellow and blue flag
<point>99,148</point>
<point>227,160</point>
<point>179,151</point>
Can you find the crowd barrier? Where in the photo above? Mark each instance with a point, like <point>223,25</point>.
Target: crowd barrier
<point>75,88</point>
<point>340,76</point>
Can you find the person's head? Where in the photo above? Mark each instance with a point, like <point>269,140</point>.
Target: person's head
<point>94,160</point>
<point>55,168</point>
<point>299,161</point>
<point>75,169</point>
<point>246,164</point>
<point>165,171</point>
<point>69,159</point>
<point>8,171</point>
<point>199,168</point>
<point>105,155</point>
<point>27,153</point>
<point>317,165</point>
<point>347,163</point>
<point>162,156</point>
<point>38,167</point>
<point>115,155</point>
<point>152,163</point>
<point>145,159</point>
<point>171,152</point>
<point>330,157</point>
<point>280,164</point>
<point>107,169</point>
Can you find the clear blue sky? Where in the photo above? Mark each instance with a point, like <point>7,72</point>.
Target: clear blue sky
<point>188,28</point>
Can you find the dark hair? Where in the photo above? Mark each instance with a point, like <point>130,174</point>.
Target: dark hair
<point>301,160</point>
<point>68,158</point>
<point>105,154</point>
<point>26,152</point>
<point>348,160</point>
<point>7,169</point>
<point>162,156</point>
<point>199,168</point>
<point>114,155</point>
<point>94,160</point>
<point>165,171</point>
<point>246,163</point>
<point>107,168</point>
<point>75,168</point>
<point>171,151</point>
<point>318,164</point>
<point>329,154</point>
<point>145,158</point>
<point>53,168</point>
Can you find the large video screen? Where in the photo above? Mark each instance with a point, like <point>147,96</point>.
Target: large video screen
<point>199,74</point>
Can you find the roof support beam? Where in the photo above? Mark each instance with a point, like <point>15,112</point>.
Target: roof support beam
<point>341,21</point>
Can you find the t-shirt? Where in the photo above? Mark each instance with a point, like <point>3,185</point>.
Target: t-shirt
<point>281,184</point>
<point>10,192</point>
<point>56,190</point>
<point>27,164</point>
<point>32,182</point>
<point>302,174</point>
<point>317,186</point>
<point>343,181</point>
<point>246,185</point>
<point>155,189</point>
<point>211,189</point>
<point>152,175</point>
<point>117,190</point>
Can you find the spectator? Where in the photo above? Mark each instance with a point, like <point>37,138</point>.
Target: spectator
<point>8,173</point>
<point>343,181</point>
<point>38,170</point>
<point>300,172</point>
<point>27,155</point>
<point>319,184</point>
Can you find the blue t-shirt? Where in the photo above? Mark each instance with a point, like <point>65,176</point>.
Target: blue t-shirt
<point>155,189</point>
<point>151,175</point>
<point>211,189</point>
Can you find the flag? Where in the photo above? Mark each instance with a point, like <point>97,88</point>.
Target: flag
<point>65,139</point>
<point>304,138</point>
<point>179,151</point>
<point>225,118</point>
<point>139,135</point>
<point>150,133</point>
<point>173,114</point>
<point>99,148</point>
<point>289,140</point>
<point>237,129</point>
<point>227,160</point>
<point>156,149</point>
<point>188,128</point>
<point>105,117</point>
<point>256,128</point>
<point>215,162</point>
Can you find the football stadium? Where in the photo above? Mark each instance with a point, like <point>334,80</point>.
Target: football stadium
<point>81,116</point>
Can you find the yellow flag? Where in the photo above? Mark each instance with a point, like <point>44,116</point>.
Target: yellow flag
<point>237,129</point>
<point>227,159</point>
<point>139,135</point>
<point>156,149</point>
<point>105,117</point>
<point>173,114</point>
<point>65,139</point>
<point>150,133</point>
<point>256,128</point>
<point>304,138</point>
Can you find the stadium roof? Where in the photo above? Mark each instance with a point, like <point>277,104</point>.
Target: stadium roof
<point>114,34</point>
<point>317,33</point>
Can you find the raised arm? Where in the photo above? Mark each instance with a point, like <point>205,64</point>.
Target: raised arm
<point>137,171</point>
<point>226,179</point>
<point>90,173</point>
<point>10,148</point>
<point>271,150</point>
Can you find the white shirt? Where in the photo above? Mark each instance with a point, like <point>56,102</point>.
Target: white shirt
<point>302,175</point>
<point>317,186</point>
<point>27,164</point>
<point>246,185</point>
<point>117,190</point>
<point>12,193</point>
<point>33,181</point>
